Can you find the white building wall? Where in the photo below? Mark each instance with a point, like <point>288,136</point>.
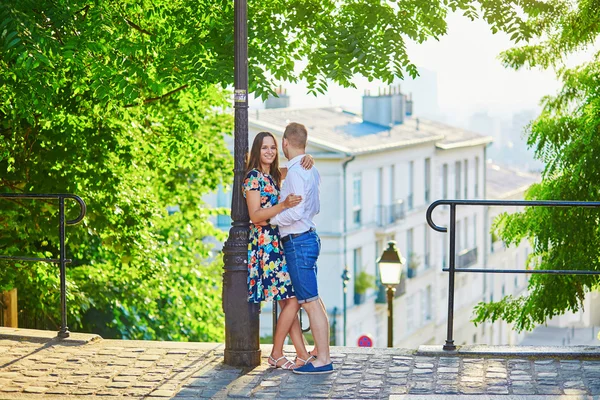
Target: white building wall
<point>420,314</point>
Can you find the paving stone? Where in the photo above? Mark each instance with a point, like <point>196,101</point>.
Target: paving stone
<point>547,389</point>
<point>10,389</point>
<point>497,390</point>
<point>417,371</point>
<point>163,393</point>
<point>523,390</point>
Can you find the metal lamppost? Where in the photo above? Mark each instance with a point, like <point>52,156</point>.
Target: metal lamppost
<point>345,278</point>
<point>242,347</point>
<point>390,270</point>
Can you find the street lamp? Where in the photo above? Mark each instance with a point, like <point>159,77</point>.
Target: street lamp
<point>242,346</point>
<point>390,270</point>
<point>345,278</point>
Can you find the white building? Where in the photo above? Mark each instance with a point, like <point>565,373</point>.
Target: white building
<point>380,171</point>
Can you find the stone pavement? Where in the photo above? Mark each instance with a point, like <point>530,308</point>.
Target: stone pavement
<point>34,366</point>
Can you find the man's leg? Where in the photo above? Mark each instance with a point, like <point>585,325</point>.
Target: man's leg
<point>319,325</point>
<point>315,351</point>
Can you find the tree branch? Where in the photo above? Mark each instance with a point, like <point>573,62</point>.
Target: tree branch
<point>151,99</point>
<point>137,27</point>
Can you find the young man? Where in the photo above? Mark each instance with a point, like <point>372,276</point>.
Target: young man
<point>302,245</point>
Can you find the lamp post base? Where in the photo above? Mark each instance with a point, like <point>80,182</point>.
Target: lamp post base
<point>449,346</point>
<point>242,358</point>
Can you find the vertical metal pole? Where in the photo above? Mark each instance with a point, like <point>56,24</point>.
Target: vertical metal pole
<point>345,279</point>
<point>390,299</point>
<point>334,326</point>
<point>242,347</point>
<point>449,340</point>
<point>64,330</point>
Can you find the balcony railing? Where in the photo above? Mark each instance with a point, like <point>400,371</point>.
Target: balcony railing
<point>387,215</point>
<point>466,258</point>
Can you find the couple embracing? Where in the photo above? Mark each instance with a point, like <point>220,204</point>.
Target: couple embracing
<point>284,245</point>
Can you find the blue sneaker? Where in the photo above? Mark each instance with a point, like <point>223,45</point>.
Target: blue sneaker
<point>310,369</point>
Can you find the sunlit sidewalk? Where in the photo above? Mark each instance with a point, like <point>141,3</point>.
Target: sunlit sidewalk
<point>33,365</point>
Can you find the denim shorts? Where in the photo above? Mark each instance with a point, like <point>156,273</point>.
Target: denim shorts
<point>301,255</point>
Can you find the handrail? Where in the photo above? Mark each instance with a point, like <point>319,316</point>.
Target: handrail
<point>449,345</point>
<point>62,260</point>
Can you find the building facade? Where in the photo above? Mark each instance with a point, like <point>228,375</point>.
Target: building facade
<point>380,171</point>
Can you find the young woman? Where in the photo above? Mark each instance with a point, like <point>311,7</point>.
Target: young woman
<point>268,278</point>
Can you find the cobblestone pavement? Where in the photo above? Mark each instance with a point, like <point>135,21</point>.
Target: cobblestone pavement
<point>47,369</point>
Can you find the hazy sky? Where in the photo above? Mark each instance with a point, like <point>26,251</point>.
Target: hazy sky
<point>470,77</point>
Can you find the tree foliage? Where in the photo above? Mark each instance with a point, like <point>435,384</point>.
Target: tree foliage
<point>566,138</point>
<point>124,103</point>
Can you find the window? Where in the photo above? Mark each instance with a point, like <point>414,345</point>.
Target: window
<point>426,305</point>
<point>457,180</point>
<point>476,177</point>
<point>427,179</point>
<point>392,184</point>
<point>409,244</point>
<point>426,246</point>
<point>379,186</point>
<point>458,238</point>
<point>357,199</point>
<point>378,251</point>
<point>466,240</point>
<point>445,181</point>
<point>444,253</point>
<point>493,237</point>
<point>411,183</point>
<point>380,209</point>
<point>410,314</point>
<point>224,200</point>
<point>474,230</point>
<point>466,179</point>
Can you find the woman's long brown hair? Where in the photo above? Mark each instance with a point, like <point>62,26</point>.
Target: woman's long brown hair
<point>254,158</point>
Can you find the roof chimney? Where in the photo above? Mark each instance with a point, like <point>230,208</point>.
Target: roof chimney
<point>385,109</point>
<point>281,100</point>
<point>409,105</point>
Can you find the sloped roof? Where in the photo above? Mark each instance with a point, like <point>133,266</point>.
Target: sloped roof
<point>341,131</point>
<point>502,182</point>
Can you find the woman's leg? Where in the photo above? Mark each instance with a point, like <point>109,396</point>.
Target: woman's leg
<point>288,323</point>
<point>296,334</point>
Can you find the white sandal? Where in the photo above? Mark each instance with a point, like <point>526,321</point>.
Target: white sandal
<point>309,359</point>
<point>288,365</point>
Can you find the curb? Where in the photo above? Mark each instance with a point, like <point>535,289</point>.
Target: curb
<point>513,351</point>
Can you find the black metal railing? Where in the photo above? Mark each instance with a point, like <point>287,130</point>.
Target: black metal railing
<point>452,267</point>
<point>62,260</point>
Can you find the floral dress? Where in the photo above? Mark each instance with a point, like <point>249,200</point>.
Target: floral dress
<point>268,277</point>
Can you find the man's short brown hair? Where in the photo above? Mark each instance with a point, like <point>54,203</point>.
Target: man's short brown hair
<point>296,134</point>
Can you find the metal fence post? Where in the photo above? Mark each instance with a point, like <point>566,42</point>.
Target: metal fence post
<point>64,330</point>
<point>449,340</point>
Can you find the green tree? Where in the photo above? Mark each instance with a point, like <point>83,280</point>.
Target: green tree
<point>566,138</point>
<point>124,103</point>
